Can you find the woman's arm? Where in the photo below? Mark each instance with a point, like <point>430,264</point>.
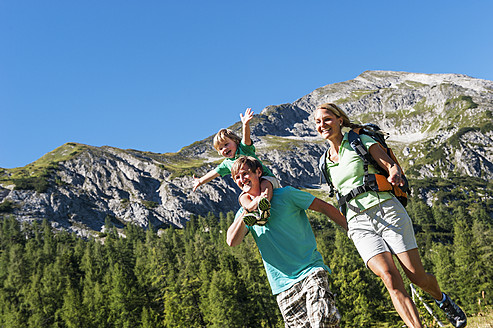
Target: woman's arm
<point>387,163</point>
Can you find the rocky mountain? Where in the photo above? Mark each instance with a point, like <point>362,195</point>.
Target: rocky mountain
<point>439,125</point>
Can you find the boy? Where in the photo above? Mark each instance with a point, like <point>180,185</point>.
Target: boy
<point>231,146</point>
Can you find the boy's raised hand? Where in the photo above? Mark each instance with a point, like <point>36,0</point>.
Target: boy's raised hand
<point>245,119</point>
<point>196,183</point>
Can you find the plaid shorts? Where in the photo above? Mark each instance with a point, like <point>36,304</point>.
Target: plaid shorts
<point>309,303</point>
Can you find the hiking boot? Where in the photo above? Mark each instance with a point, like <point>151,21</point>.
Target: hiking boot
<point>261,222</point>
<point>250,218</point>
<point>264,209</point>
<point>453,312</point>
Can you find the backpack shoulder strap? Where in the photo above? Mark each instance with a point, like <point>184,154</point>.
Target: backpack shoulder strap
<point>357,145</point>
<point>322,165</point>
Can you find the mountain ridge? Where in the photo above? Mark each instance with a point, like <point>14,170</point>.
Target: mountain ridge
<point>440,125</point>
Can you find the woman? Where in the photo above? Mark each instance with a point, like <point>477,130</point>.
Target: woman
<point>378,224</point>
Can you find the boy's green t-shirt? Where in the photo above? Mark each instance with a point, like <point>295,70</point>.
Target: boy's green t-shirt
<point>287,243</point>
<point>349,174</point>
<point>243,150</point>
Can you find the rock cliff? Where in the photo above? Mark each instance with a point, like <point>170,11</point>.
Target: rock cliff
<point>440,125</point>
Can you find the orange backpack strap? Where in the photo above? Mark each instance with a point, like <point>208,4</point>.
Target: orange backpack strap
<point>372,182</point>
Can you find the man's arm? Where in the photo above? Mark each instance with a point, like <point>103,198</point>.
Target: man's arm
<point>236,231</point>
<point>333,213</point>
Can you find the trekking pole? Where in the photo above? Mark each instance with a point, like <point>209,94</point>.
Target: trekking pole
<point>427,307</point>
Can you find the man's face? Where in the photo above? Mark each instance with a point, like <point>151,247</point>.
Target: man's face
<point>247,180</point>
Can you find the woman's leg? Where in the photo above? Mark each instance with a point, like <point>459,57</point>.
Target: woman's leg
<point>383,265</point>
<point>413,267</point>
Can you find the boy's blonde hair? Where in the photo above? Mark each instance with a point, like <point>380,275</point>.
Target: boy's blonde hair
<point>222,135</point>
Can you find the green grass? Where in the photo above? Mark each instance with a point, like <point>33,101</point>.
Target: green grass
<point>355,95</point>
<point>34,176</point>
<point>461,102</point>
<point>6,206</point>
<point>484,320</point>
<point>284,144</point>
<point>180,166</point>
<point>455,139</point>
<point>149,204</point>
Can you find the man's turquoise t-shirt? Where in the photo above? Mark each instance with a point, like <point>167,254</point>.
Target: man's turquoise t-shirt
<point>243,150</point>
<point>287,243</point>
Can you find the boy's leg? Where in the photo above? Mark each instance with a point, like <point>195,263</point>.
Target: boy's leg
<point>251,219</point>
<point>266,188</point>
<point>267,191</point>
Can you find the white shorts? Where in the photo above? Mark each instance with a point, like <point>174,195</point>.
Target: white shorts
<point>273,180</point>
<point>373,234</point>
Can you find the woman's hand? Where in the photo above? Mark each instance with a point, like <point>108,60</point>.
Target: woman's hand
<point>395,175</point>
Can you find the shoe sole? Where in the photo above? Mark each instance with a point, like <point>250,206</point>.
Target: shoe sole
<point>249,220</point>
<point>264,204</point>
<point>264,215</point>
<point>264,209</point>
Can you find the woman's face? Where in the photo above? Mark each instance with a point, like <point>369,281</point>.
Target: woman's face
<point>328,125</point>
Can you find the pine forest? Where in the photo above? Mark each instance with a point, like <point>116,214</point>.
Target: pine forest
<point>191,278</point>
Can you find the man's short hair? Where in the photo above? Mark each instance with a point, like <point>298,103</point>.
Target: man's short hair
<point>249,161</point>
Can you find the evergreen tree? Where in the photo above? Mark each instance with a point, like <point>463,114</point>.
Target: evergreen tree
<point>122,312</point>
<point>72,312</point>
<point>444,264</point>
<point>150,319</point>
<point>226,301</point>
<point>93,290</point>
<point>443,219</point>
<point>482,236</point>
<point>13,287</point>
<point>467,271</point>
<point>361,297</point>
<point>191,278</point>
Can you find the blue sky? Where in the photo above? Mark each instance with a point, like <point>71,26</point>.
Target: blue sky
<point>159,75</point>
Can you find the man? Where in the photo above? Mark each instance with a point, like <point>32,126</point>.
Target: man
<point>295,269</point>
